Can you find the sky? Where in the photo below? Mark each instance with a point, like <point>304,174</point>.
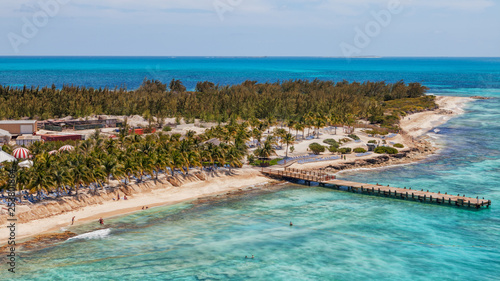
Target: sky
<point>331,28</point>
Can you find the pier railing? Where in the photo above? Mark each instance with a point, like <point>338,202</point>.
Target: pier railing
<point>328,180</point>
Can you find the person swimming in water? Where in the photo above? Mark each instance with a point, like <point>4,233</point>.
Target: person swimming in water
<point>101,221</point>
<point>291,224</point>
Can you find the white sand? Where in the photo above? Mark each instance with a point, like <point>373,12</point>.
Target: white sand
<point>415,125</point>
<point>420,123</point>
<point>163,196</point>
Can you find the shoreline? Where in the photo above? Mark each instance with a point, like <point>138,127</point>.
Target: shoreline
<point>150,195</point>
<point>415,129</point>
<point>192,188</point>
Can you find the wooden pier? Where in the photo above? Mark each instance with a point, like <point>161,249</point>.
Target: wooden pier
<point>378,190</point>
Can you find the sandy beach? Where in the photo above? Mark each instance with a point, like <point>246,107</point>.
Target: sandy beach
<point>415,126</point>
<point>420,123</point>
<point>167,194</point>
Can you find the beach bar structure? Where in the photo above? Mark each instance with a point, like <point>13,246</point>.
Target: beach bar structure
<point>27,140</point>
<point>59,125</point>
<point>19,127</point>
<point>65,137</point>
<point>422,196</point>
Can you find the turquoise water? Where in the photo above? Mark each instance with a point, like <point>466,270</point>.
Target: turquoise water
<point>441,74</point>
<point>336,235</point>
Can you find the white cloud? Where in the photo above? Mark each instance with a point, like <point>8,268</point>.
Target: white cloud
<point>81,8</point>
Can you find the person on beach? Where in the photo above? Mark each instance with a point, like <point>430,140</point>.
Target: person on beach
<point>125,197</point>
<point>73,220</point>
<point>118,196</point>
<point>101,221</point>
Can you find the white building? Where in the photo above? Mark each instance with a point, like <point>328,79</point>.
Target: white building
<point>27,140</point>
<point>5,137</point>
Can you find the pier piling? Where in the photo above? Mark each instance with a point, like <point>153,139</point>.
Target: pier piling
<point>324,179</point>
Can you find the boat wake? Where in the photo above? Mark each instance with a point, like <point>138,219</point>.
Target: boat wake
<point>98,234</point>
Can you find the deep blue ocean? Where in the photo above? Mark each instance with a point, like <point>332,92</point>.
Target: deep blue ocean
<point>336,235</point>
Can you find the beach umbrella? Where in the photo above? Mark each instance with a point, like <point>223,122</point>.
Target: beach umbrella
<point>21,153</point>
<point>66,148</point>
<point>52,152</point>
<point>26,164</point>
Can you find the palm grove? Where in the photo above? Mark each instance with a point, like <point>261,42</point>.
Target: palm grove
<point>249,109</point>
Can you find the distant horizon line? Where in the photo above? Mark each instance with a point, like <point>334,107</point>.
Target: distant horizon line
<point>208,56</point>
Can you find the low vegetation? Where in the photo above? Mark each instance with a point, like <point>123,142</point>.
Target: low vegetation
<point>266,163</point>
<point>345,150</point>
<point>385,150</point>
<point>353,136</point>
<point>359,150</point>
<point>410,105</point>
<point>316,148</point>
<point>399,145</point>
<point>331,142</point>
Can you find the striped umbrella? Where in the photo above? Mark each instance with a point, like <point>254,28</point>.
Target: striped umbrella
<point>66,148</point>
<point>21,153</point>
<point>52,152</point>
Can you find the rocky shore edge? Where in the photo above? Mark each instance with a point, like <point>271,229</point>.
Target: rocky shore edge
<point>422,150</point>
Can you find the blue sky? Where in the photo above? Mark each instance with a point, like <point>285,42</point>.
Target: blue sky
<point>250,27</point>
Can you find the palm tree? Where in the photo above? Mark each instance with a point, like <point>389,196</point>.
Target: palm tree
<point>233,156</point>
<point>279,134</point>
<point>192,158</point>
<point>129,167</point>
<point>61,178</point>
<point>288,139</point>
<point>291,125</point>
<point>319,122</point>
<point>267,149</point>
<point>40,178</point>
<point>4,179</point>
<point>169,162</point>
<point>254,122</point>
<point>217,154</point>
<point>179,160</point>
<point>158,162</point>
<point>299,127</point>
<point>36,148</point>
<point>111,167</point>
<point>270,121</point>
<point>257,135</point>
<point>309,122</point>
<point>334,119</point>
